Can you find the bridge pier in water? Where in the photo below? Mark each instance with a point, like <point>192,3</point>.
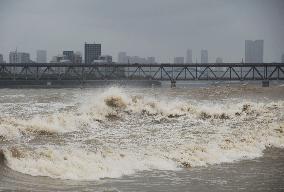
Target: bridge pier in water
<point>173,83</point>
<point>265,83</point>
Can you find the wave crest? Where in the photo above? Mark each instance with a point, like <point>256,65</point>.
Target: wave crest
<point>119,133</point>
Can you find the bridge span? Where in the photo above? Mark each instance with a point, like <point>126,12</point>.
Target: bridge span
<point>159,72</point>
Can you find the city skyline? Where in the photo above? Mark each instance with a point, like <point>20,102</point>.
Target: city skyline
<point>164,29</point>
<point>254,51</point>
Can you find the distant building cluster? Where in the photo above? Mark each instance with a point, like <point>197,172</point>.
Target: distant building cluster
<point>253,54</point>
<point>124,58</point>
<point>67,57</point>
<point>254,51</point>
<point>189,59</point>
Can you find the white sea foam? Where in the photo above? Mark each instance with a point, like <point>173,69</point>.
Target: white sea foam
<point>146,134</point>
<point>13,128</point>
<point>79,164</point>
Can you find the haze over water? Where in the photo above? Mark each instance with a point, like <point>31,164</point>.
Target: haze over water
<point>162,28</point>
<point>142,139</point>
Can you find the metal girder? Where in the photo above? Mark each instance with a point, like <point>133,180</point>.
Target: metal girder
<point>163,72</point>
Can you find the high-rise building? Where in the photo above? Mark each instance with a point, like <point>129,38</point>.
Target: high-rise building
<point>189,56</point>
<point>19,57</point>
<point>254,51</point>
<point>219,60</point>
<point>68,55</point>
<point>204,56</point>
<point>77,58</point>
<point>1,58</point>
<point>122,57</point>
<point>282,58</point>
<point>41,56</point>
<point>179,60</point>
<point>92,52</point>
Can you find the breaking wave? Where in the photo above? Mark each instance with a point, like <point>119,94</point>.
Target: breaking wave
<point>118,133</point>
<point>79,164</point>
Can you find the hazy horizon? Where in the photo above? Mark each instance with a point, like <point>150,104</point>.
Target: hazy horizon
<point>161,28</point>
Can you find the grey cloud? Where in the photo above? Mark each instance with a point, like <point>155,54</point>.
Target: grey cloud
<point>161,28</point>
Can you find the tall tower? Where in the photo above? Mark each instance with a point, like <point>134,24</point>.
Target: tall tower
<point>41,56</point>
<point>92,52</point>
<point>188,56</point>
<point>122,57</point>
<point>1,58</point>
<point>204,56</point>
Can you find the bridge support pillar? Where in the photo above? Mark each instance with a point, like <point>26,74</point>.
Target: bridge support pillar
<point>173,84</point>
<point>265,83</point>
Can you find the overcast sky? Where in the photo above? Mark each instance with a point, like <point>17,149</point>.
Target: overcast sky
<point>160,28</point>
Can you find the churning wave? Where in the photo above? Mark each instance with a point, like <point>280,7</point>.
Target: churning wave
<point>115,133</point>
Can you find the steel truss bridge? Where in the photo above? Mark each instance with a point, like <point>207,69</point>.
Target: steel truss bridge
<point>160,72</point>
